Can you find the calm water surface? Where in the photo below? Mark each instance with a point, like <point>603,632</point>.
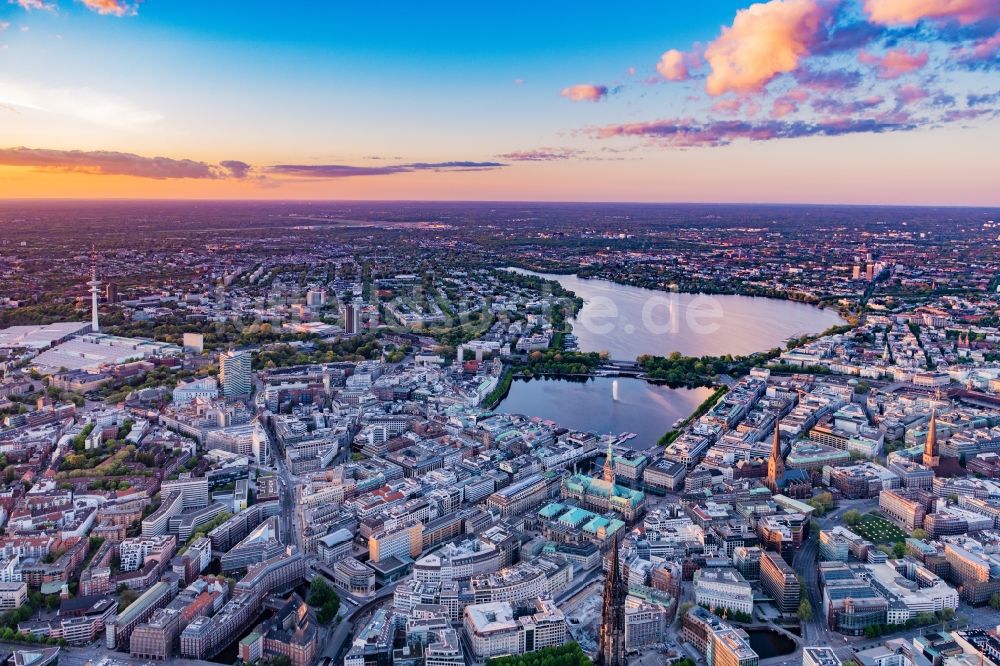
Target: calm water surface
<point>642,408</point>
<point>628,321</point>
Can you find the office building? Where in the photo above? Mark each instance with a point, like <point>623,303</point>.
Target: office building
<point>118,631</point>
<point>723,587</point>
<point>731,647</point>
<point>820,656</point>
<point>905,507</point>
<point>403,542</point>
<point>13,595</point>
<point>495,630</point>
<point>352,318</point>
<point>235,374</point>
<point>780,582</point>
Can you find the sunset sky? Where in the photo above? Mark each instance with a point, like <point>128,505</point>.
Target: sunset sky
<point>825,101</point>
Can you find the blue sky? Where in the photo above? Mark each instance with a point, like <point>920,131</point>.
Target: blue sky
<point>507,85</point>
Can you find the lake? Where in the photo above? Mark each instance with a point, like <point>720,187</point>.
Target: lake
<point>630,321</point>
<point>768,643</point>
<point>645,409</point>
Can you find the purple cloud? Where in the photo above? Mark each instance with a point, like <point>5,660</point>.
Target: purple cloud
<point>686,133</point>
<point>838,107</point>
<point>828,81</point>
<point>236,168</point>
<point>111,163</point>
<point>540,155</point>
<point>348,171</point>
<point>983,99</point>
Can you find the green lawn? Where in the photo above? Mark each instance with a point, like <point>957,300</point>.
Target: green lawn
<point>878,530</point>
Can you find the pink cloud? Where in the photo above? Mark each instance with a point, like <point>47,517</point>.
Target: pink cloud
<point>894,63</point>
<point>782,108</point>
<point>765,40</point>
<point>28,5</point>
<point>518,82</point>
<point>788,103</point>
<point>673,66</point>
<point>982,51</point>
<point>728,106</point>
<point>910,93</point>
<point>110,7</point>
<point>897,12</point>
<point>585,92</point>
<point>630,71</point>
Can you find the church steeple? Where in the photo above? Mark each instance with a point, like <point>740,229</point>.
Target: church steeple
<point>611,640</point>
<point>931,457</point>
<point>775,464</point>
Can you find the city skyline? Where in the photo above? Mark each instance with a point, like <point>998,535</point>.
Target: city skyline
<point>805,101</point>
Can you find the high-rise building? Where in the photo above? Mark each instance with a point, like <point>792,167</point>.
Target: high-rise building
<point>352,318</point>
<point>780,582</point>
<point>611,648</point>
<point>194,342</point>
<point>316,298</point>
<point>235,373</point>
<point>111,293</point>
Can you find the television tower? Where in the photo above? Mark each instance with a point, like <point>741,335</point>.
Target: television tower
<point>94,285</point>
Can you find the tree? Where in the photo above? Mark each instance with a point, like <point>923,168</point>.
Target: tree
<point>919,534</point>
<point>325,598</point>
<point>899,549</point>
<point>995,601</point>
<point>852,517</point>
<point>805,612</point>
<point>949,613</point>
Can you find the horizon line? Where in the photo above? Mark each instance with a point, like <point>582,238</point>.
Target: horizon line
<point>802,204</point>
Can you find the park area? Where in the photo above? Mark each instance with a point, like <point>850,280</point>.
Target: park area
<point>878,530</point>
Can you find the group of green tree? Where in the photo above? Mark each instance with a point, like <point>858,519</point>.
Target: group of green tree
<point>730,614</point>
<point>216,336</point>
<point>494,397</point>
<point>822,503</point>
<point>325,599</point>
<point>676,370</point>
<point>567,654</point>
<point>10,619</point>
<point>210,525</point>
<point>357,348</point>
<point>560,362</point>
<point>919,620</point>
<point>702,409</point>
<point>805,612</point>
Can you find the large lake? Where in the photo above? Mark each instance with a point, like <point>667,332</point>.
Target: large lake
<point>629,321</point>
<point>645,409</point>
